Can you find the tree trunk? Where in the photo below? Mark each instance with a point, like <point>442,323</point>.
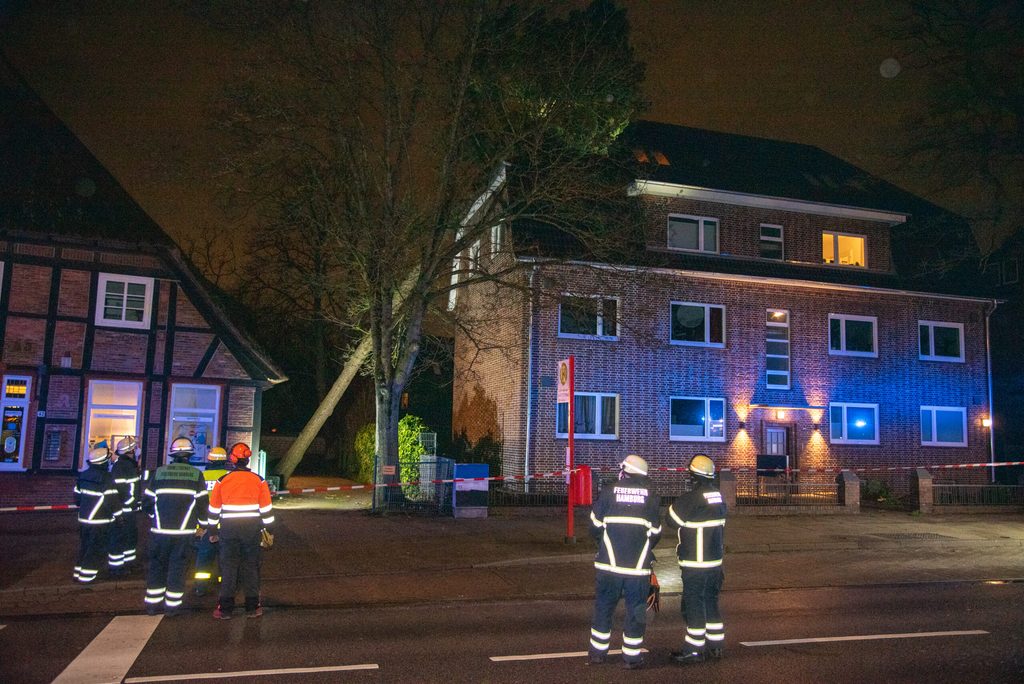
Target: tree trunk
<point>324,411</point>
<point>387,400</point>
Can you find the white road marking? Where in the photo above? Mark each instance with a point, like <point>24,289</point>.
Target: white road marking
<point>111,654</point>
<point>546,656</point>
<point>864,637</point>
<point>250,673</point>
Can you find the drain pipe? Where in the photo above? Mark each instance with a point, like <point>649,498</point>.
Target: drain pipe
<point>991,410</point>
<point>529,383</point>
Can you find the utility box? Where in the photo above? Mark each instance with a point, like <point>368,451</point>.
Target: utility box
<point>581,482</point>
<point>469,498</point>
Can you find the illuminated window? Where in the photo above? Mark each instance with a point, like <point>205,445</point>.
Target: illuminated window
<point>113,412</point>
<point>696,419</point>
<point>15,417</point>
<point>943,426</point>
<point>777,348</point>
<point>588,317</point>
<point>771,245</point>
<point>940,341</point>
<point>124,301</point>
<point>697,325</point>
<point>595,416</point>
<point>693,233</point>
<point>497,239</point>
<point>843,249</point>
<point>853,423</point>
<point>852,335</point>
<point>195,410</point>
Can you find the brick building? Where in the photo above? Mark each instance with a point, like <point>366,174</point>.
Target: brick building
<point>105,328</point>
<point>781,303</point>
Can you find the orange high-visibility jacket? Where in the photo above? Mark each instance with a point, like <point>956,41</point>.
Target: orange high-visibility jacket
<point>241,499</point>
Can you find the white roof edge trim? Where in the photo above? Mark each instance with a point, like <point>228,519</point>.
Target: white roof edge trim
<point>496,183</point>
<point>811,284</point>
<point>660,189</point>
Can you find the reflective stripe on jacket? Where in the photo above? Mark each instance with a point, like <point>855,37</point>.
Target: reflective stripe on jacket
<point>96,496</point>
<point>241,498</point>
<point>175,499</point>
<point>626,523</point>
<point>126,478</point>
<point>699,517</point>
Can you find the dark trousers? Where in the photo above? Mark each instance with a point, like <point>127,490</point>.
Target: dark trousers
<point>168,563</point>
<point>206,563</point>
<point>124,538</point>
<point>240,562</point>
<point>704,627</point>
<point>92,551</point>
<point>609,589</point>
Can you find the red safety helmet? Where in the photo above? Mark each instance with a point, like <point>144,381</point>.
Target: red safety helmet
<point>239,451</point>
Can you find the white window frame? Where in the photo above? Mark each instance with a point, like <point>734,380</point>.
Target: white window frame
<point>101,296</point>
<point>172,410</point>
<point>835,248</point>
<point>842,335</point>
<point>789,356</point>
<point>701,247</point>
<point>18,465</point>
<point>934,441</point>
<point>497,239</point>
<point>781,240</point>
<point>842,439</point>
<point>124,407</point>
<point>707,425</point>
<point>599,335</point>
<point>931,325</point>
<point>707,325</point>
<point>597,417</point>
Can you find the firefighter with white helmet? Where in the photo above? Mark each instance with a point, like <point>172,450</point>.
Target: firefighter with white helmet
<point>98,507</point>
<point>699,518</point>
<point>124,534</point>
<point>626,524</point>
<point>206,549</point>
<point>175,500</point>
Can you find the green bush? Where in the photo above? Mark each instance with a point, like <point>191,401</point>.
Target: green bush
<point>409,452</point>
<point>365,448</point>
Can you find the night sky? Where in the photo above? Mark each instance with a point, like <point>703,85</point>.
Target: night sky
<point>136,80</point>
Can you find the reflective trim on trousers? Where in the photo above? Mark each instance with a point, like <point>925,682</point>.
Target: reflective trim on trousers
<point>627,651</point>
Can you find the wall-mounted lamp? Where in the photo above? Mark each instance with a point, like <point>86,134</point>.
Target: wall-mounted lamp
<point>986,422</point>
<point>779,415</point>
<point>65,360</point>
<point>817,427</point>
<point>742,425</point>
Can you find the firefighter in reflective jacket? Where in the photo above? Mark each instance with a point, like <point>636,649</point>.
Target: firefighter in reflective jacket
<point>627,526</point>
<point>240,505</point>
<point>699,517</point>
<point>206,549</point>
<point>125,533</point>
<point>175,500</point>
<point>98,508</point>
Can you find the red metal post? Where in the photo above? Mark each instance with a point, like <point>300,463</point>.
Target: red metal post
<point>570,534</point>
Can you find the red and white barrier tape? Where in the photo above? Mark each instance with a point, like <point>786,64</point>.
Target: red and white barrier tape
<point>562,473</point>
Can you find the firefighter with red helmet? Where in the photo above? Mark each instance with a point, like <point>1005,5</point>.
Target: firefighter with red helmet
<point>124,535</point>
<point>699,518</point>
<point>626,526</point>
<point>175,500</point>
<point>240,505</point>
<point>98,507</point>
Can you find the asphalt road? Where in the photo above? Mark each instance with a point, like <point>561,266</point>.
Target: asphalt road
<point>932,632</point>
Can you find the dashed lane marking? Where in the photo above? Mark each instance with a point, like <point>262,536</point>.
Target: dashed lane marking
<point>251,673</point>
<point>864,637</point>
<point>111,654</point>
<point>547,656</point>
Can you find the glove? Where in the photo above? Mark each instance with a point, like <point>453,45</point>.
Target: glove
<point>266,538</point>
<point>654,594</point>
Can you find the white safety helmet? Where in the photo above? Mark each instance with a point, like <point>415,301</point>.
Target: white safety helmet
<point>634,465</point>
<point>125,445</point>
<point>702,466</point>
<point>99,455</point>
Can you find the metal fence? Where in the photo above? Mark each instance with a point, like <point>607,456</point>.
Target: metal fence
<point>978,495</point>
<point>420,495</point>
<point>773,493</point>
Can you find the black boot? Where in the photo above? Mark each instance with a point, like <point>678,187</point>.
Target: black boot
<point>686,657</point>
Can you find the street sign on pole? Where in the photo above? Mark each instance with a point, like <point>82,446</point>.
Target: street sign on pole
<point>566,395</point>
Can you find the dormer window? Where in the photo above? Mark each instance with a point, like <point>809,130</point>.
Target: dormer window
<point>843,249</point>
<point>693,233</point>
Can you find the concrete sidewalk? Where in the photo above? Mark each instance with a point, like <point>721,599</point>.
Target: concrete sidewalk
<point>328,554</point>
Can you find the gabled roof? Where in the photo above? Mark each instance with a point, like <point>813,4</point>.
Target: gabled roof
<point>933,251</point>
<point>52,187</point>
